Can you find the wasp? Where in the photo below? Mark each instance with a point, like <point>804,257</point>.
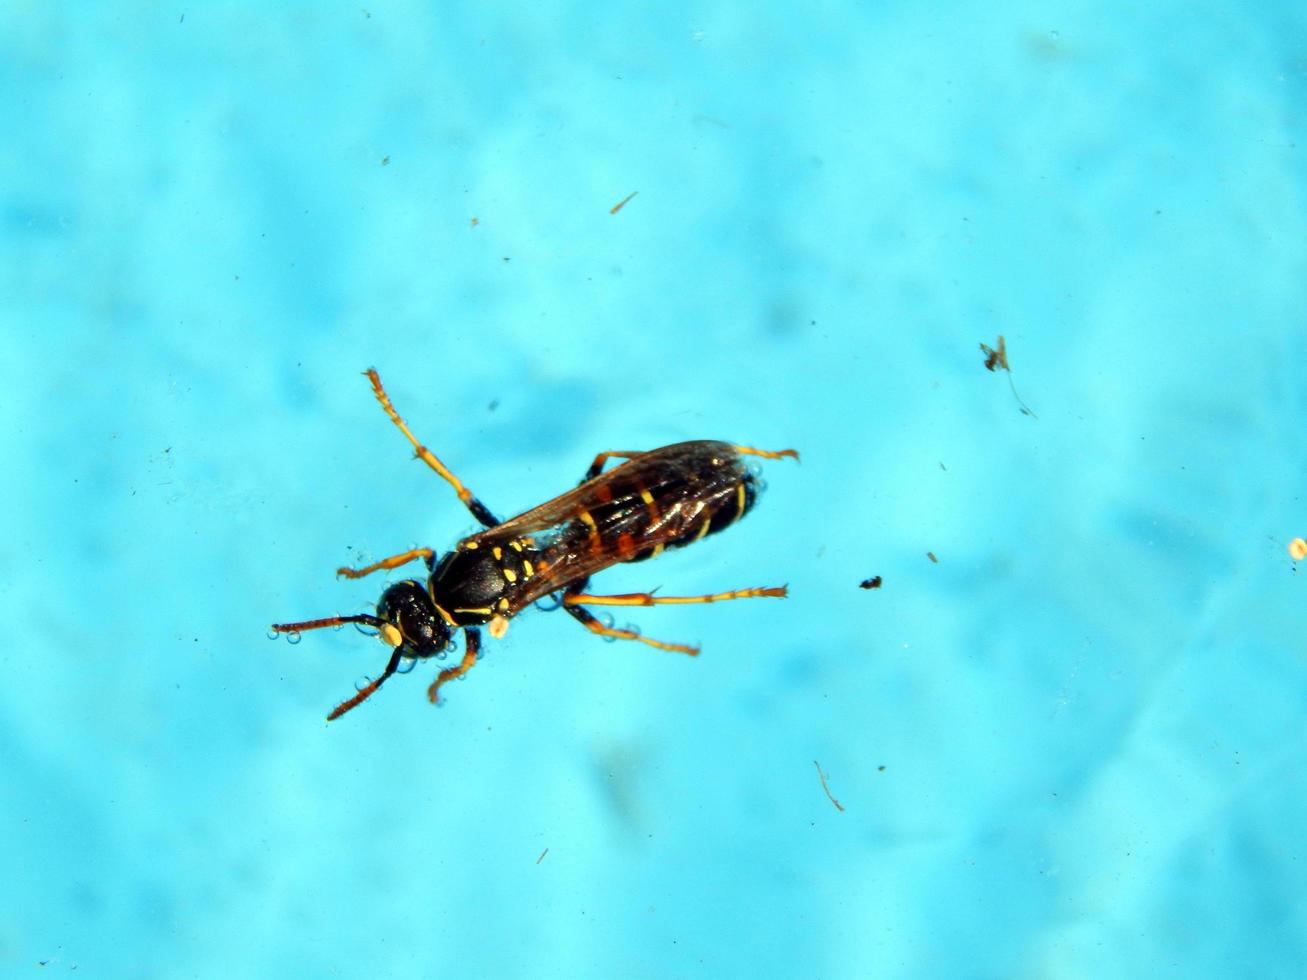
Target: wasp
<point>656,500</point>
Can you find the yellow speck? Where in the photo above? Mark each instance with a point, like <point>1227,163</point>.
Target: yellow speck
<point>1298,549</point>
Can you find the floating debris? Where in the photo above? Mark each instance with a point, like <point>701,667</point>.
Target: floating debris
<point>822,776</point>
<point>996,359</point>
<point>622,203</point>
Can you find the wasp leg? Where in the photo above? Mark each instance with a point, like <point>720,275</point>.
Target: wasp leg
<point>587,619</point>
<point>394,561</point>
<point>649,599</point>
<point>767,453</point>
<point>597,466</point>
<point>477,508</point>
<point>366,691</point>
<point>471,647</point>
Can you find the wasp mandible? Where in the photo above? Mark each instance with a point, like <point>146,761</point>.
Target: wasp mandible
<point>655,500</point>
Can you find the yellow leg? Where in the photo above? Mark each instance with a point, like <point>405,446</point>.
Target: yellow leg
<point>472,641</point>
<point>394,561</point>
<point>767,453</point>
<point>649,599</point>
<point>427,456</point>
<point>587,619</point>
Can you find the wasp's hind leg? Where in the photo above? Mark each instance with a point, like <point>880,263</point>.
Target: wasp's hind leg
<point>573,596</point>
<point>477,508</point>
<point>649,599</point>
<point>767,453</point>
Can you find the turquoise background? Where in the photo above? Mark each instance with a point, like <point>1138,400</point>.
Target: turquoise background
<point>1072,748</point>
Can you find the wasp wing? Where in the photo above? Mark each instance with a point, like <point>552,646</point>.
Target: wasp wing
<point>659,499</point>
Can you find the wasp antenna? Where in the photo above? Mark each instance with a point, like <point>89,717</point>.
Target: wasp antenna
<point>366,691</point>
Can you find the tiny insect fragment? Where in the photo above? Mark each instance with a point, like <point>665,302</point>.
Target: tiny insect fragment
<point>542,855</point>
<point>622,203</point>
<point>822,776</point>
<point>996,359</point>
<point>931,556</point>
<point>870,583</point>
<point>1298,549</point>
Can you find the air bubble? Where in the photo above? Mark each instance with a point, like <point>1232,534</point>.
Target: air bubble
<point>557,601</point>
<point>293,637</point>
<point>406,666</point>
<point>365,629</point>
<point>272,633</point>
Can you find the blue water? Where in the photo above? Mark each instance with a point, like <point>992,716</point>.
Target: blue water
<point>1070,747</point>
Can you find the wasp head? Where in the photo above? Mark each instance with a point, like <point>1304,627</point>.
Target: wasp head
<point>409,621</point>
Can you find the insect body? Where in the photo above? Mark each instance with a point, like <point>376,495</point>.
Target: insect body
<point>665,498</point>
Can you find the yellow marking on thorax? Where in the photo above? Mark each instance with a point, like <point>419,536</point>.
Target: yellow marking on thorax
<point>509,575</point>
<point>469,545</point>
<point>739,502</point>
<point>444,614</point>
<point>527,568</point>
<point>503,605</point>
<point>658,549</point>
<point>707,521</point>
<point>515,545</point>
<point>498,552</point>
<point>479,610</point>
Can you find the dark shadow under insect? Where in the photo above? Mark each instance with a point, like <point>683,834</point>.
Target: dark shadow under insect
<point>664,498</point>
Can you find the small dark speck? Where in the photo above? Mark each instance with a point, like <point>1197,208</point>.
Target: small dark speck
<point>385,161</point>
<point>870,583</point>
<point>367,15</point>
<point>931,556</point>
<point>943,467</point>
<point>168,450</point>
<point>880,768</point>
<point>505,258</point>
<point>494,404</point>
